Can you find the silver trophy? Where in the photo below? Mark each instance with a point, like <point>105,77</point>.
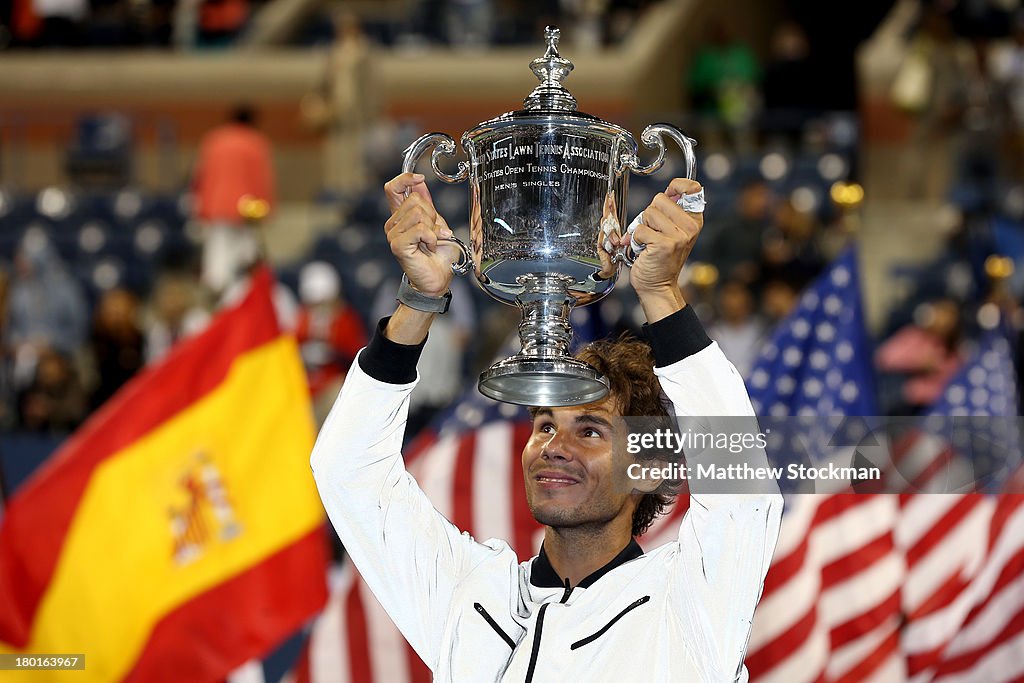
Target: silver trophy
<point>548,187</point>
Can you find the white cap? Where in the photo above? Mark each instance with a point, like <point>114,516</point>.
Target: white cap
<point>318,282</point>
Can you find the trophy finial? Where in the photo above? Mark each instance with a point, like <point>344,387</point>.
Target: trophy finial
<point>552,34</point>
<point>551,69</point>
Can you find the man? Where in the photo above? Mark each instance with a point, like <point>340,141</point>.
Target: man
<point>233,188</point>
<point>592,606</point>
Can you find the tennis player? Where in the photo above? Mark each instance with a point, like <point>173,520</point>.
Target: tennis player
<point>593,605</point>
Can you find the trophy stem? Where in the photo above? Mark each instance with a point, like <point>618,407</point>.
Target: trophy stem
<point>546,303</point>
<point>543,373</point>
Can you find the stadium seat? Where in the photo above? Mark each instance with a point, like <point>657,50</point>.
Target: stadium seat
<point>149,239</point>
<point>327,248</point>
<point>127,205</point>
<point>100,154</point>
<point>92,238</point>
<point>59,208</point>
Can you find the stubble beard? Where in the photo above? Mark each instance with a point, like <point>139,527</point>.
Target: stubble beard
<point>590,516</point>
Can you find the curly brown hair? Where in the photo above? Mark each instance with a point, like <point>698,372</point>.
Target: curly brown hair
<point>628,364</point>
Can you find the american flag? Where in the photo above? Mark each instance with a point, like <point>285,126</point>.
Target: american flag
<point>964,553</point>
<point>910,587</point>
<point>818,361</point>
<point>830,607</point>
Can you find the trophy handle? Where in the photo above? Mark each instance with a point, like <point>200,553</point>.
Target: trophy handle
<point>443,145</point>
<point>654,136</point>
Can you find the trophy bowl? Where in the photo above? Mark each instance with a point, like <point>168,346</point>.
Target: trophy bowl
<point>548,187</point>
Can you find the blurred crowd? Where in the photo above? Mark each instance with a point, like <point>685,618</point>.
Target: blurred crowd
<point>99,24</point>
<point>779,162</point>
<point>185,24</point>
<point>65,355</point>
<point>961,86</point>
<point>959,89</point>
<point>62,361</point>
<point>478,24</point>
<point>103,282</point>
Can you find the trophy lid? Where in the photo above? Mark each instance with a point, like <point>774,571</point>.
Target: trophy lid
<point>549,103</point>
<point>551,69</point>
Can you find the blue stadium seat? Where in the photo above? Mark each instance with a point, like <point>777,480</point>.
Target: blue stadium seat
<point>128,206</point>
<point>101,153</point>
<point>8,245</point>
<point>137,277</point>
<point>453,203</point>
<point>97,206</point>
<point>150,238</point>
<point>327,248</point>
<point>92,236</point>
<point>98,275</point>
<point>370,210</point>
<point>169,209</point>
<point>66,246</point>
<point>747,170</point>
<point>59,208</point>
<point>715,170</point>
<point>121,247</point>
<point>16,211</point>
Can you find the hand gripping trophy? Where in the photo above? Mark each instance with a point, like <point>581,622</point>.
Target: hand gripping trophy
<point>548,186</point>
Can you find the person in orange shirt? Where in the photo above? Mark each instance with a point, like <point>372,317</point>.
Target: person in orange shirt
<point>233,189</point>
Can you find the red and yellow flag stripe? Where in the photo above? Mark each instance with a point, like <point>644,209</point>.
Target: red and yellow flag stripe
<point>179,532</point>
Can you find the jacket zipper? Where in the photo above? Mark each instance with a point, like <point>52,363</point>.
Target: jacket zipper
<point>536,643</point>
<point>497,629</point>
<point>590,639</point>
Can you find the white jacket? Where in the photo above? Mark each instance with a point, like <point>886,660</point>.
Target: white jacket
<point>681,612</point>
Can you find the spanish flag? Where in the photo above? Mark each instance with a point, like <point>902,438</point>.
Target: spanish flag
<point>178,533</point>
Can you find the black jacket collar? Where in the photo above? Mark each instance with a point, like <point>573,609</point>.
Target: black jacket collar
<point>543,575</point>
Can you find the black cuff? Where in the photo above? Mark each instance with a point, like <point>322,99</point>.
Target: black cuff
<point>386,361</point>
<point>676,337</point>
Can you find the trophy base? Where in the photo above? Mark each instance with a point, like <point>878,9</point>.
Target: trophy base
<point>543,382</point>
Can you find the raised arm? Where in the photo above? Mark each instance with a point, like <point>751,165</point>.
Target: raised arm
<point>413,231</point>
<point>726,541</point>
<point>411,557</point>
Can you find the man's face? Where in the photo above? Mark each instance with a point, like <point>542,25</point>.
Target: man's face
<point>569,469</point>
